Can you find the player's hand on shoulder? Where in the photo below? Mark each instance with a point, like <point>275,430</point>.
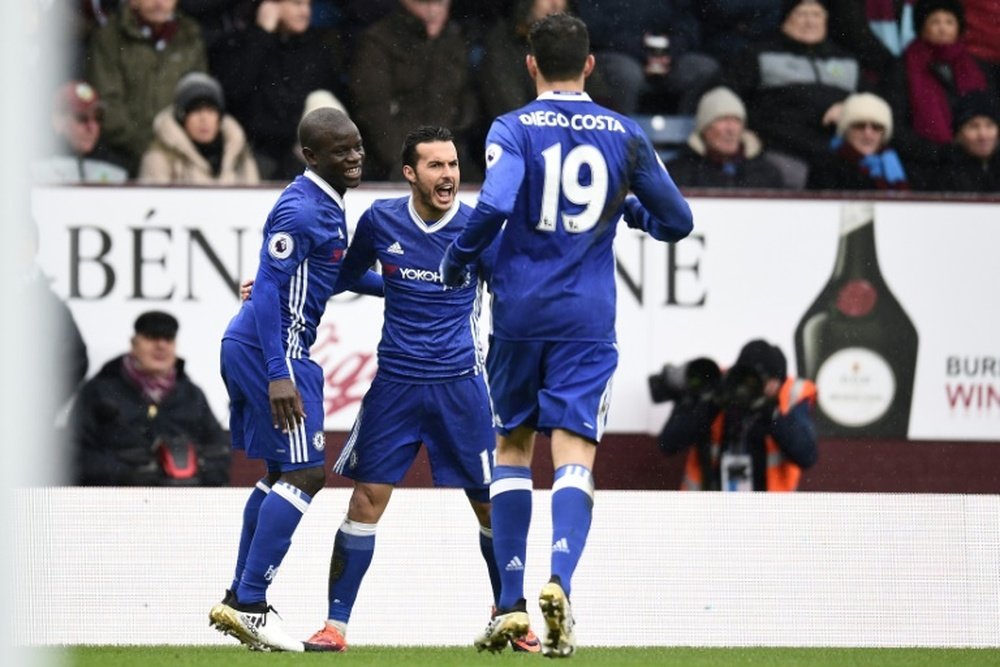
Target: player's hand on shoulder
<point>246,288</point>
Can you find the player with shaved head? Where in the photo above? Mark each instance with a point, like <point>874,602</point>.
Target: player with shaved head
<point>275,389</point>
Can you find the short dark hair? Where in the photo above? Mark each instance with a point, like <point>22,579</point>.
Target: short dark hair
<point>156,324</point>
<point>320,122</point>
<point>422,135</point>
<point>560,44</point>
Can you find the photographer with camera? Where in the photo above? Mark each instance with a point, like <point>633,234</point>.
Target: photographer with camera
<point>141,421</point>
<point>747,429</point>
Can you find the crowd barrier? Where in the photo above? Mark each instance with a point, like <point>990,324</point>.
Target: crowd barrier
<point>143,566</point>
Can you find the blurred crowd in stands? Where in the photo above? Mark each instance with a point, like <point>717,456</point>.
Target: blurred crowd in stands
<point>783,94</point>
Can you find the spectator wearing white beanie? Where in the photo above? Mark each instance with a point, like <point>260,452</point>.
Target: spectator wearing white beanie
<point>862,159</point>
<point>721,152</point>
<point>866,108</point>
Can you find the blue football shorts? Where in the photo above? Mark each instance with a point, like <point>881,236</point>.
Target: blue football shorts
<point>551,384</point>
<point>452,419</point>
<point>250,422</point>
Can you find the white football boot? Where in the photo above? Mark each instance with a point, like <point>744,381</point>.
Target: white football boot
<point>502,629</point>
<point>558,641</point>
<point>258,626</point>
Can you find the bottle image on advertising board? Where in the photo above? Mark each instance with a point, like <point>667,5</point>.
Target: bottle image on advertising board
<point>857,343</point>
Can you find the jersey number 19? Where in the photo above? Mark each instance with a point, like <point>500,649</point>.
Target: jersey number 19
<point>564,175</point>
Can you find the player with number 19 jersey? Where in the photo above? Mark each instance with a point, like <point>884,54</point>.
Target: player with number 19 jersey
<point>571,163</point>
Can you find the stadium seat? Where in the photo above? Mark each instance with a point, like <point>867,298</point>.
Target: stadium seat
<point>668,133</point>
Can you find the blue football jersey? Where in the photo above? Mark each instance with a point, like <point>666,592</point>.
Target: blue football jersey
<point>429,333</point>
<point>559,171</point>
<point>305,240</point>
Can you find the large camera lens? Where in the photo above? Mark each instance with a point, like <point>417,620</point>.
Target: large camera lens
<point>742,387</point>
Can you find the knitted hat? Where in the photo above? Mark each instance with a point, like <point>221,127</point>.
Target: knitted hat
<point>787,6</point>
<point>156,324</point>
<point>861,107</point>
<point>321,99</point>
<point>77,97</point>
<point>718,103</point>
<point>978,103</point>
<point>924,8</point>
<point>193,89</point>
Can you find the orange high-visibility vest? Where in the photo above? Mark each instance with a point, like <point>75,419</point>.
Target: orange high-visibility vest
<point>781,474</point>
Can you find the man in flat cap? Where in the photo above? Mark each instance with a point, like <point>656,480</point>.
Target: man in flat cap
<point>141,421</point>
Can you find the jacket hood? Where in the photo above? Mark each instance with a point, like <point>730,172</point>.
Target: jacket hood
<point>169,133</point>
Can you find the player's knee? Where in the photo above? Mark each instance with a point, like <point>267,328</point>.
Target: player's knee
<point>480,505</point>
<point>368,502</point>
<point>308,480</point>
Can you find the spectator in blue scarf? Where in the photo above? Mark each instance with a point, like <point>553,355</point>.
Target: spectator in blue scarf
<point>861,158</point>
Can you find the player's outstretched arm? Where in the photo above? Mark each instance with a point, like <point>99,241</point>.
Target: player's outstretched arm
<point>369,283</point>
<point>657,207</point>
<point>468,247</point>
<point>504,173</point>
<point>355,274</point>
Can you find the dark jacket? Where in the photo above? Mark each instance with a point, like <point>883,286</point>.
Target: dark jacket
<point>706,430</point>
<point>136,77</point>
<point>619,25</point>
<point>114,427</point>
<point>845,169</point>
<point>963,173</point>
<point>692,169</point>
<point>504,81</point>
<point>729,26</point>
<point>788,86</point>
<point>850,25</point>
<point>835,173</point>
<point>400,80</point>
<point>267,77</point>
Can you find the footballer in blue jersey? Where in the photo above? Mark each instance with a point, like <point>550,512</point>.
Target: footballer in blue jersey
<point>559,174</point>
<point>430,387</point>
<point>275,389</point>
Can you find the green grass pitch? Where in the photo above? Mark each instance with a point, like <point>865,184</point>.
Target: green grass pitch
<point>387,656</point>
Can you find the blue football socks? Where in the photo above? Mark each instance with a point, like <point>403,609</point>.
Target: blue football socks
<point>510,495</point>
<point>353,549</point>
<point>250,512</point>
<point>279,516</point>
<point>486,548</point>
<point>572,508</point>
